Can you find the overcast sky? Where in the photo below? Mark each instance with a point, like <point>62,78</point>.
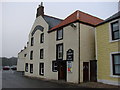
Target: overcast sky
<point>17,19</point>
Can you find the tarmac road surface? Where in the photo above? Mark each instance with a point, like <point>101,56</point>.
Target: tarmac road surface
<point>13,79</point>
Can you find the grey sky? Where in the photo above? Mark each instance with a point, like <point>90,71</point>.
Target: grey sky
<point>18,18</point>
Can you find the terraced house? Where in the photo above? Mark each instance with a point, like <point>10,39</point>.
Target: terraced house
<point>61,49</point>
<point>108,50</point>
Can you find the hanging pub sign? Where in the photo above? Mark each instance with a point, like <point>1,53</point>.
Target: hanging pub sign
<point>70,55</point>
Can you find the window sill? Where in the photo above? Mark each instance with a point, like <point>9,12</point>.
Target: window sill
<point>115,76</point>
<point>114,40</point>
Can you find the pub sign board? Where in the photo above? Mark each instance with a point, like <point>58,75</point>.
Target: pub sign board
<point>70,55</point>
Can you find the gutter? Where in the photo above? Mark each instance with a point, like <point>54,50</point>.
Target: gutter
<point>79,53</point>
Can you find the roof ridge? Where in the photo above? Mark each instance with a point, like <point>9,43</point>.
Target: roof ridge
<point>53,17</point>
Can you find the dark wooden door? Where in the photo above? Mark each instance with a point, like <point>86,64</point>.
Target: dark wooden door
<point>62,70</point>
<point>93,70</point>
<point>85,71</point>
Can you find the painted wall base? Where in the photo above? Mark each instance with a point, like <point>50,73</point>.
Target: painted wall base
<point>109,82</point>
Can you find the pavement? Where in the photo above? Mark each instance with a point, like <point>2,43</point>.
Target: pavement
<point>13,79</point>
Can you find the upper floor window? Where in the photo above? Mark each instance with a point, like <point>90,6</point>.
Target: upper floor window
<point>25,55</point>
<point>60,34</point>
<point>59,52</point>
<point>41,53</point>
<point>32,41</point>
<point>42,38</point>
<point>115,30</point>
<point>116,64</point>
<point>31,55</point>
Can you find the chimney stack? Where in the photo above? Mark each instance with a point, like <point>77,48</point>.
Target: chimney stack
<point>40,10</point>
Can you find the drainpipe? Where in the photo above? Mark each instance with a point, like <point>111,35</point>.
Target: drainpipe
<point>78,53</point>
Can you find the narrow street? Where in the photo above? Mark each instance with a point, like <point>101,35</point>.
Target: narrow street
<point>13,79</point>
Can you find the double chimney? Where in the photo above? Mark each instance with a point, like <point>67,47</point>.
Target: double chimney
<point>40,10</point>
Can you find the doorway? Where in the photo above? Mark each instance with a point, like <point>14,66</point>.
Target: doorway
<point>62,70</point>
<point>93,70</point>
<point>85,71</point>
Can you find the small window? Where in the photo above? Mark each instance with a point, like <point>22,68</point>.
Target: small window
<point>41,53</point>
<point>26,67</point>
<point>31,68</point>
<point>59,52</point>
<point>115,30</point>
<point>32,41</point>
<point>31,55</point>
<point>116,64</point>
<point>25,55</point>
<point>42,38</point>
<point>60,34</point>
<point>54,66</point>
<point>41,69</point>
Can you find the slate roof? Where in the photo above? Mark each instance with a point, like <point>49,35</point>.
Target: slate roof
<point>78,16</point>
<point>113,17</point>
<point>52,21</point>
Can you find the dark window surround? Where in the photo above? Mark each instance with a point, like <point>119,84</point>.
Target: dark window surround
<point>57,51</point>
<point>57,34</point>
<point>41,52</point>
<point>26,67</point>
<point>32,41</point>
<point>42,35</point>
<point>53,66</point>
<point>41,66</point>
<point>114,64</point>
<point>31,68</point>
<point>31,55</point>
<point>113,37</point>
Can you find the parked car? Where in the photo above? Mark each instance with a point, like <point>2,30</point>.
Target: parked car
<point>6,67</point>
<point>14,67</point>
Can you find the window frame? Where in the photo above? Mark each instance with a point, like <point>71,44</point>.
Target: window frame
<point>31,68</point>
<point>112,31</point>
<point>53,66</point>
<point>31,55</point>
<point>41,53</point>
<point>58,34</point>
<point>42,38</point>
<point>58,58</point>
<point>41,69</point>
<point>113,64</point>
<point>32,41</point>
<point>26,67</point>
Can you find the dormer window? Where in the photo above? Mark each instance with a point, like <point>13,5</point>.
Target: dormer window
<point>115,30</point>
<point>60,34</point>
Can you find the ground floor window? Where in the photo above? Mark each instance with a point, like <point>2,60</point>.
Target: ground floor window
<point>116,64</point>
<point>54,66</point>
<point>31,68</point>
<point>41,70</point>
<point>26,67</point>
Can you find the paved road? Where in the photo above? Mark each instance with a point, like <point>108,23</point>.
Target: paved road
<point>12,79</point>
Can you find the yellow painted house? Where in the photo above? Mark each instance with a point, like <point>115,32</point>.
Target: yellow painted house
<point>107,37</point>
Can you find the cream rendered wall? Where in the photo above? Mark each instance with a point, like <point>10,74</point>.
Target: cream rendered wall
<point>70,41</point>
<point>36,48</point>
<point>21,60</point>
<point>87,46</point>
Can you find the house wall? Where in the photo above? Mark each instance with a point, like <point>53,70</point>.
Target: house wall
<point>36,48</point>
<point>104,47</point>
<point>87,46</point>
<point>21,61</point>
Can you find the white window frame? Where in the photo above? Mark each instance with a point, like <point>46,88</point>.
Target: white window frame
<point>111,65</point>
<point>42,69</point>
<point>54,66</point>
<point>110,30</point>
